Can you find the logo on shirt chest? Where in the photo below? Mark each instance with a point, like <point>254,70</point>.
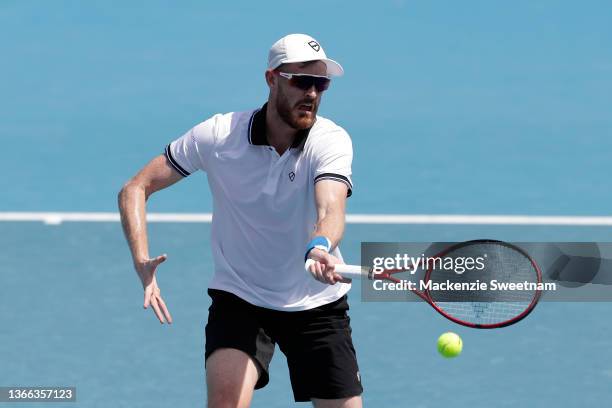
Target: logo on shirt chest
<point>291,176</point>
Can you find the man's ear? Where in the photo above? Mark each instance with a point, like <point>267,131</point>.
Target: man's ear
<point>270,78</point>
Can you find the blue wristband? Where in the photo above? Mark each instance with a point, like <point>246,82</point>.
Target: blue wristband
<point>319,242</point>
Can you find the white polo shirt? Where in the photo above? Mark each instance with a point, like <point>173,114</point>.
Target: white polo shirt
<point>264,208</point>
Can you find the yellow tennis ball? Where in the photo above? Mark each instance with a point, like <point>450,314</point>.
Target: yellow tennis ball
<point>450,345</point>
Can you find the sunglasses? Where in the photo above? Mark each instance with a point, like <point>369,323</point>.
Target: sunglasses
<point>305,81</point>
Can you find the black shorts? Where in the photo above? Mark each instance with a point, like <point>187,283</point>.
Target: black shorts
<point>317,343</point>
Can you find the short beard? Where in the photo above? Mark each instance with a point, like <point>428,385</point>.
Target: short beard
<point>286,114</point>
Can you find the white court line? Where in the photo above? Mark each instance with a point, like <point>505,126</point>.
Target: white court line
<point>54,218</point>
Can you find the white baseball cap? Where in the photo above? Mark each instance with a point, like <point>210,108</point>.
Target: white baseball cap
<point>300,48</point>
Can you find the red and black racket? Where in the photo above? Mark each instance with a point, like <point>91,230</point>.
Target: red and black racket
<point>505,263</point>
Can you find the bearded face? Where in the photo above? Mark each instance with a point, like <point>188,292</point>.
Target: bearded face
<point>298,114</point>
<point>298,107</point>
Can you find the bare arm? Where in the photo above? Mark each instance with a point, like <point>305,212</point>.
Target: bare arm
<point>156,175</point>
<point>330,197</point>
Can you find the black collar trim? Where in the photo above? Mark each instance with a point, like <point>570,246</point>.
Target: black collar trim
<point>257,130</point>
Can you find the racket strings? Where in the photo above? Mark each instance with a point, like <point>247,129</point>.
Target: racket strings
<point>487,304</point>
<point>483,313</point>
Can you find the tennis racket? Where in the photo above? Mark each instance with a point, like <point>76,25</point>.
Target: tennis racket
<point>506,264</point>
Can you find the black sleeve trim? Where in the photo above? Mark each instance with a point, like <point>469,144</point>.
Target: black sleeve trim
<point>174,164</point>
<point>336,177</point>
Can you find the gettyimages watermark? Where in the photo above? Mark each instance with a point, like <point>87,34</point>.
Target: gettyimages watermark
<point>456,272</point>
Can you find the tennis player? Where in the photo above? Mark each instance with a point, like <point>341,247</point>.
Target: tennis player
<point>279,176</point>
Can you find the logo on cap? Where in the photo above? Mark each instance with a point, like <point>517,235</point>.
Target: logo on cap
<point>314,45</point>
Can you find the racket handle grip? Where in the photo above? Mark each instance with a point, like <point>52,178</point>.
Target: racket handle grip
<point>347,271</point>
<point>351,271</point>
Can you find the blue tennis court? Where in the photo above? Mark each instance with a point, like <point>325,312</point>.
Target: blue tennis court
<point>474,108</point>
<point>73,316</point>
